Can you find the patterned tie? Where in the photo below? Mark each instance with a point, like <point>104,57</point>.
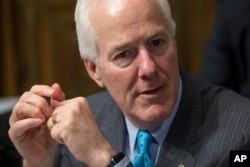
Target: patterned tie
<point>143,158</point>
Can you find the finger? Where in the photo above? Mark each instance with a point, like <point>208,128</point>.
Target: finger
<point>42,90</point>
<point>37,101</point>
<point>24,110</point>
<point>18,129</point>
<point>55,130</point>
<point>53,120</point>
<point>58,92</point>
<point>56,134</point>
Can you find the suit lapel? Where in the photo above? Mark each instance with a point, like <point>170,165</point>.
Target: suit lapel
<point>186,127</point>
<point>114,129</point>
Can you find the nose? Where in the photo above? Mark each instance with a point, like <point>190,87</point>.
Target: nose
<point>147,66</point>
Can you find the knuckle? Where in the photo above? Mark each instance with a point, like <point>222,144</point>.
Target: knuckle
<point>25,95</point>
<point>78,103</point>
<point>16,106</point>
<point>81,99</point>
<point>34,87</point>
<point>36,112</point>
<point>10,134</point>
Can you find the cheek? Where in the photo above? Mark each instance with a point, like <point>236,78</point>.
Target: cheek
<point>117,81</point>
<point>115,77</point>
<point>120,84</point>
<point>169,64</point>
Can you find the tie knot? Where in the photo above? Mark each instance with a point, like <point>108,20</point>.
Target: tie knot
<point>144,139</point>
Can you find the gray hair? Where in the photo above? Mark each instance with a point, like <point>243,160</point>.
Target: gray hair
<point>86,34</point>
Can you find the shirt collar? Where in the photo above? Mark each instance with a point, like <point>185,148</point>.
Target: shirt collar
<point>160,134</point>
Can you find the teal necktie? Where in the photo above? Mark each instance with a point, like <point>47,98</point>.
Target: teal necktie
<point>143,158</point>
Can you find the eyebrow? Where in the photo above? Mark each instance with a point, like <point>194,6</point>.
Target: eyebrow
<point>119,47</point>
<point>122,46</point>
<point>157,34</point>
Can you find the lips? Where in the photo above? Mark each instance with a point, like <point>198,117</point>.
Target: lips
<point>153,91</point>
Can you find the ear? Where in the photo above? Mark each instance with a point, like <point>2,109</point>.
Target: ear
<point>94,72</point>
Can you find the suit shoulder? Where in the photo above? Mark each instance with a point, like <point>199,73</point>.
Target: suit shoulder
<point>100,100</point>
<point>99,96</point>
<point>218,98</point>
<point>102,104</point>
<point>227,98</point>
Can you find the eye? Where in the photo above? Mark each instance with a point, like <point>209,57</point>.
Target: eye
<point>156,42</point>
<point>123,54</point>
<point>157,46</point>
<point>124,59</point>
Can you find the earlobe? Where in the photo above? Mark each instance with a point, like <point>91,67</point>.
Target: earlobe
<point>94,72</point>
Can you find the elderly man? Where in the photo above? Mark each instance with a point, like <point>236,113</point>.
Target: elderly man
<point>151,114</point>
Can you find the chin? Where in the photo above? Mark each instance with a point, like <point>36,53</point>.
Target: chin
<point>155,116</point>
<point>157,111</point>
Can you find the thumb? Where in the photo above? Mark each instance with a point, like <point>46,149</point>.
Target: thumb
<point>58,95</point>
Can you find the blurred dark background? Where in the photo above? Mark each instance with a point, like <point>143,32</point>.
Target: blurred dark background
<point>38,43</point>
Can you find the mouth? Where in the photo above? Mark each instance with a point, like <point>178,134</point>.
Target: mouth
<point>153,92</point>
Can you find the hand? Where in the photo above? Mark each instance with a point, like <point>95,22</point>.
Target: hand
<point>28,130</point>
<point>73,124</point>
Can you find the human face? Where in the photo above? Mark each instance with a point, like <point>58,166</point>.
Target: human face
<point>137,59</point>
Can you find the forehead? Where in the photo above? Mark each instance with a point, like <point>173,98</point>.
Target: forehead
<point>109,12</point>
<point>125,21</point>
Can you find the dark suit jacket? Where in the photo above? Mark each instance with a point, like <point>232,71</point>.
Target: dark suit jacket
<point>210,122</point>
<point>227,55</point>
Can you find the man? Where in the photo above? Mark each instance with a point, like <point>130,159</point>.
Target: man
<point>128,47</point>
